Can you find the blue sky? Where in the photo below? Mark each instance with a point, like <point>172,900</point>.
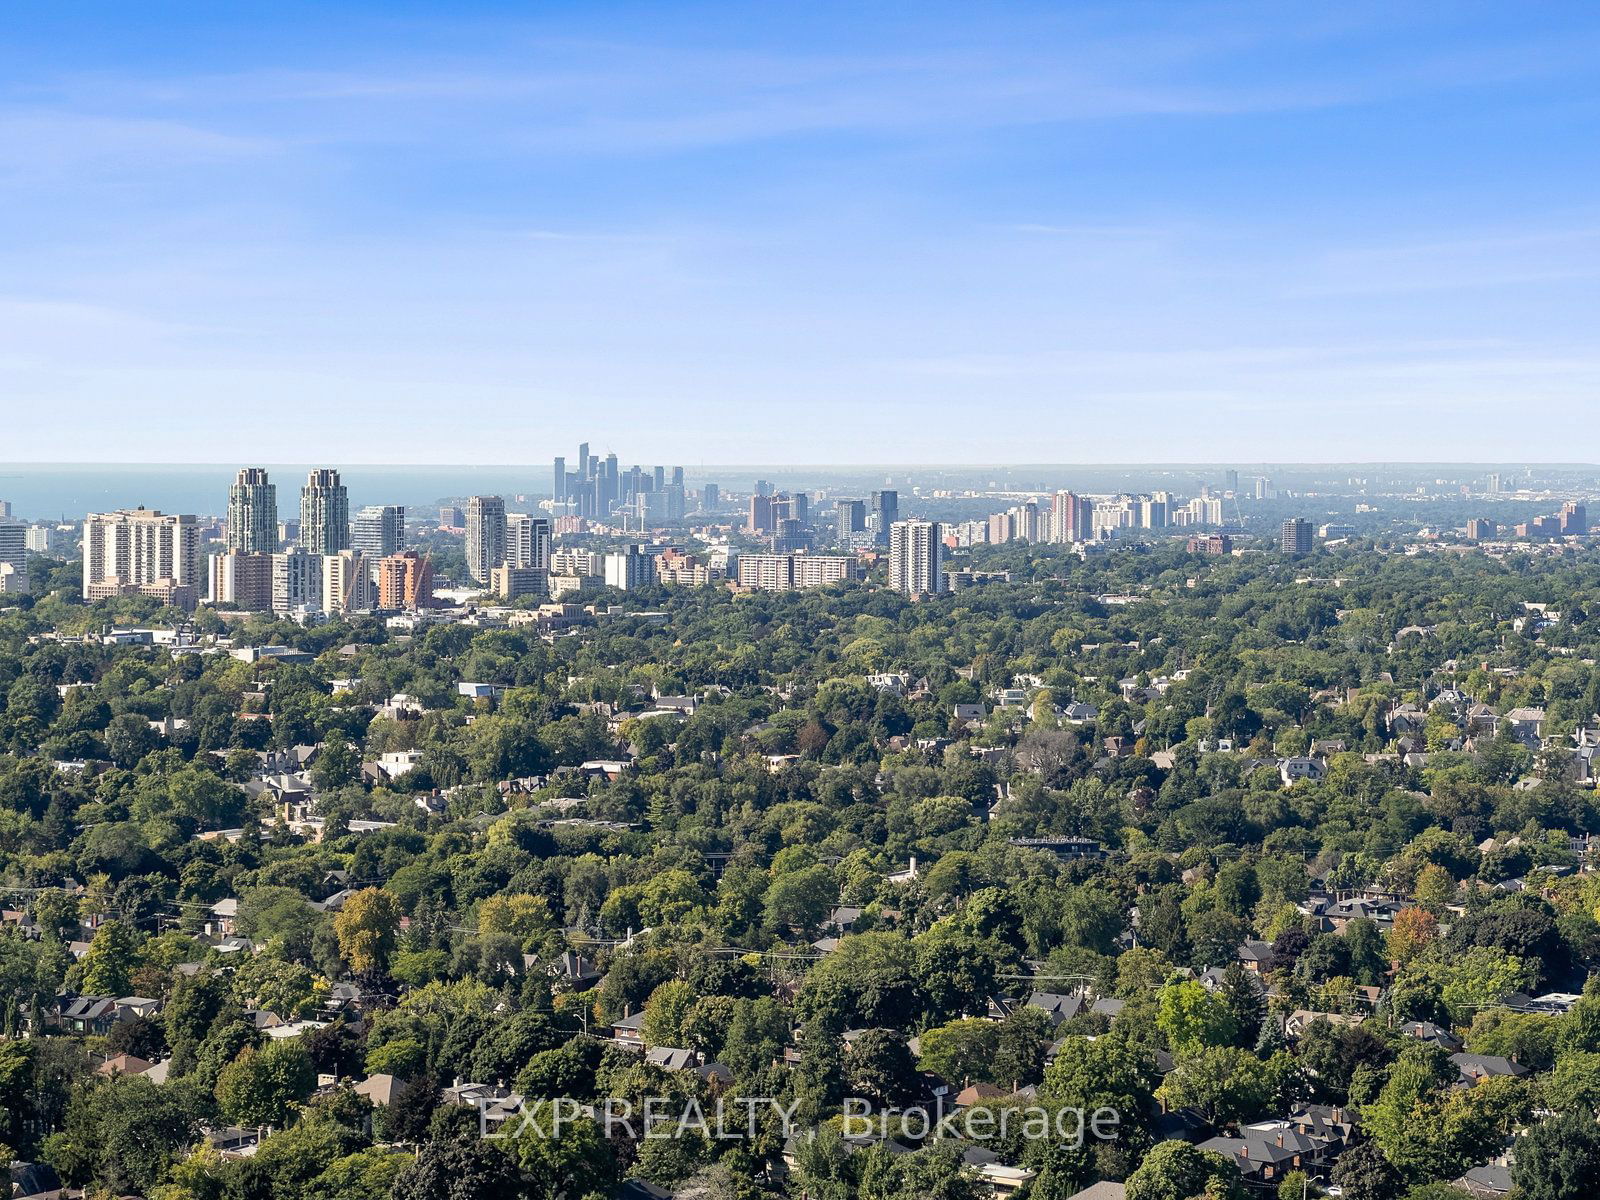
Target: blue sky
<point>772,232</point>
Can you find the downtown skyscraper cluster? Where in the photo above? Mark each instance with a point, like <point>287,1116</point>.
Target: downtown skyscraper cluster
<point>599,488</point>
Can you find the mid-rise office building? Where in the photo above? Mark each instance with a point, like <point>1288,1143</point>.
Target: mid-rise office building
<point>252,513</point>
<point>324,514</point>
<point>405,581</point>
<point>486,536</point>
<point>790,572</point>
<point>1026,520</point>
<point>967,533</point>
<point>790,536</point>
<point>509,582</point>
<point>1481,529</point>
<point>379,530</point>
<point>633,567</point>
<point>527,541</point>
<point>1202,510</point>
<point>1106,520</point>
<point>885,511</point>
<point>346,586</point>
<point>575,561</point>
<point>916,557</point>
<point>296,581</point>
<point>1071,517</point>
<point>563,585</point>
<point>1296,536</point>
<point>683,570</point>
<point>1574,518</point>
<point>13,555</point>
<point>142,552</point>
<point>242,578</point>
<point>14,543</point>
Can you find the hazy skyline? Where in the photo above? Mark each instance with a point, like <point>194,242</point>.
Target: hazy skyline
<point>799,233</point>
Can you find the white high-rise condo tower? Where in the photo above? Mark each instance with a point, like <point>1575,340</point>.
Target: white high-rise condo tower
<point>379,530</point>
<point>141,551</point>
<point>916,557</point>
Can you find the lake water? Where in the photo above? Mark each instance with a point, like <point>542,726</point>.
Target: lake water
<point>45,492</point>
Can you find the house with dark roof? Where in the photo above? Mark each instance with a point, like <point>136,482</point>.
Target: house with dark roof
<point>1427,1031</point>
<point>1267,1151</point>
<point>1057,1007</point>
<point>1255,956</point>
<point>1381,912</point>
<point>1475,1068</point>
<point>573,972</point>
<point>1488,1182</point>
<point>88,1014</point>
<point>1108,1006</point>
<point>34,1181</point>
<point>1330,1123</point>
<point>671,1058</point>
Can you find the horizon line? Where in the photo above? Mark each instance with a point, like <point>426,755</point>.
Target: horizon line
<point>898,466</point>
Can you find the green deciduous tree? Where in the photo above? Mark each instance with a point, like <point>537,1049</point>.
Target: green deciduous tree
<point>1193,1018</point>
<point>1559,1159</point>
<point>960,1050</point>
<point>261,1087</point>
<point>1178,1171</point>
<point>107,966</point>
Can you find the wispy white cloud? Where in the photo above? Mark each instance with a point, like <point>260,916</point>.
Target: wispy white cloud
<point>1466,262</point>
<point>36,141</point>
<point>593,96</point>
<point>1071,226</point>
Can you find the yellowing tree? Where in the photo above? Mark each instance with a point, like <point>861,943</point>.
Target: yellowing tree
<point>1414,929</point>
<point>523,915</point>
<point>1436,887</point>
<point>365,927</point>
